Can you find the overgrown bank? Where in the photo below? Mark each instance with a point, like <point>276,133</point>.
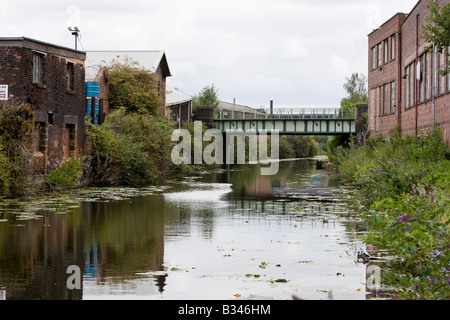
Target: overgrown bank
<point>403,192</point>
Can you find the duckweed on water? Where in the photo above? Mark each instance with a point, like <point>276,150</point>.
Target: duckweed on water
<point>66,202</point>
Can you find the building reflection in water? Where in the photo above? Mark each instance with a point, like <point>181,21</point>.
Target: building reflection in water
<point>108,241</point>
<point>35,254</point>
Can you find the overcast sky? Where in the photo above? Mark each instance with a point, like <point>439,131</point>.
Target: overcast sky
<point>295,52</point>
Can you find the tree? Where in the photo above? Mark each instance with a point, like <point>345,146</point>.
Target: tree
<point>133,87</point>
<point>437,30</point>
<point>207,97</point>
<point>355,86</point>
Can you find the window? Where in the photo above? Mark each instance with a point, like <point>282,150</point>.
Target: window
<point>393,47</point>
<point>448,67</point>
<point>440,67</point>
<point>41,143</point>
<point>421,78</point>
<point>374,57</point>
<point>37,68</point>
<point>386,99</point>
<point>393,96</point>
<point>409,88</point>
<point>380,55</point>
<point>427,75</point>
<point>70,143</point>
<point>70,76</point>
<point>386,50</point>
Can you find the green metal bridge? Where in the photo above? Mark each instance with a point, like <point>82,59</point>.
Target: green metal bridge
<point>299,121</point>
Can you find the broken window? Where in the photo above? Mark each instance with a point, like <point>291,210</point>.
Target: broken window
<point>37,67</point>
<point>41,144</point>
<point>70,141</point>
<point>70,76</point>
<point>393,96</point>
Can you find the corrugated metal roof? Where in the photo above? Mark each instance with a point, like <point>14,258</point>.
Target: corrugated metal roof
<point>236,107</point>
<point>174,97</point>
<point>148,59</point>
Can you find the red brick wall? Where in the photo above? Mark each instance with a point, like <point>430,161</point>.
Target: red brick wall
<point>68,107</point>
<point>379,121</point>
<point>408,41</point>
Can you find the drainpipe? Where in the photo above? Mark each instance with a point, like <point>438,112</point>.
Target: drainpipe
<point>416,82</point>
<point>433,82</point>
<point>400,82</point>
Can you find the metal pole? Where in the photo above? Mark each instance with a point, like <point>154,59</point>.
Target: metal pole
<point>416,81</point>
<point>433,82</point>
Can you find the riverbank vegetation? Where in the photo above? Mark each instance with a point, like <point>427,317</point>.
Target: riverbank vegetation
<point>16,124</point>
<point>403,191</point>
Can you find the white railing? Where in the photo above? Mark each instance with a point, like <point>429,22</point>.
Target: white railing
<point>289,113</point>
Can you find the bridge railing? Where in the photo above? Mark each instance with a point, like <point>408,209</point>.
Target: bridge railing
<point>289,113</point>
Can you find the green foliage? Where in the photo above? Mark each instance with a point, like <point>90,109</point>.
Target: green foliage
<point>301,146</point>
<point>437,30</point>
<point>68,175</point>
<point>208,97</point>
<point>133,87</point>
<point>138,155</point>
<point>403,188</point>
<point>356,88</point>
<point>16,124</point>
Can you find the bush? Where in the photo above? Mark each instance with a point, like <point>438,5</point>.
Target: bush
<point>69,174</point>
<point>138,155</point>
<point>403,188</point>
<point>16,124</point>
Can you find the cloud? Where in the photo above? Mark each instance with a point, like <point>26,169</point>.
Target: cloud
<point>339,64</point>
<point>293,48</point>
<point>252,50</point>
<point>4,4</point>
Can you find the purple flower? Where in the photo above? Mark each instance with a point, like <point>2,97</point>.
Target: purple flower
<point>403,218</point>
<point>432,198</point>
<point>416,287</point>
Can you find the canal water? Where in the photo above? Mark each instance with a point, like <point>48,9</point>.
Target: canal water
<point>228,234</point>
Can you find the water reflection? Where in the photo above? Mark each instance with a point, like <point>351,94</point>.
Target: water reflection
<point>34,255</point>
<point>194,239</point>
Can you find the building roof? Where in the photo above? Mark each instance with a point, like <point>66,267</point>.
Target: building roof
<point>150,60</point>
<point>236,107</point>
<point>39,45</point>
<point>174,97</point>
<point>387,21</point>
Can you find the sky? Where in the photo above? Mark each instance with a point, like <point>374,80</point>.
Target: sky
<point>294,52</point>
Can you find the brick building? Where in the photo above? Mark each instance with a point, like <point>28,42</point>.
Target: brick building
<point>405,88</point>
<point>153,60</point>
<point>50,79</point>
